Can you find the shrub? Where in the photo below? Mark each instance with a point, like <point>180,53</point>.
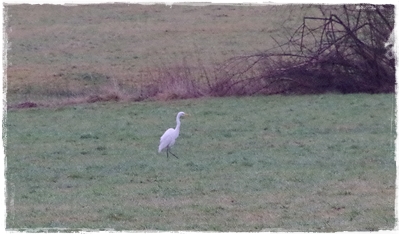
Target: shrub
<point>344,51</point>
<point>341,51</point>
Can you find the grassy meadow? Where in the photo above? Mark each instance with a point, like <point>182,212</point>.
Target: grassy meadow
<point>294,163</point>
<point>317,163</point>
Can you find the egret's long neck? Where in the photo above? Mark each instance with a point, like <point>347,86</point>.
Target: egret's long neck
<point>178,123</point>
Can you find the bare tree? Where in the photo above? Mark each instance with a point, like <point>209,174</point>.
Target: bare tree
<point>343,51</point>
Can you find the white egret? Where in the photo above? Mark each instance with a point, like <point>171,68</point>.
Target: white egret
<point>170,135</point>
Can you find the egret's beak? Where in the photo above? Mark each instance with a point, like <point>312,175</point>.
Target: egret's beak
<point>186,114</point>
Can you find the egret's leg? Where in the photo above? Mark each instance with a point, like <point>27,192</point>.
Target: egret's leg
<point>171,153</point>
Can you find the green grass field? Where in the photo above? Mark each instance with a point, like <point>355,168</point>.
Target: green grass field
<point>295,163</point>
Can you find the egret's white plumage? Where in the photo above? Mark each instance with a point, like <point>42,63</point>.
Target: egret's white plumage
<point>167,140</point>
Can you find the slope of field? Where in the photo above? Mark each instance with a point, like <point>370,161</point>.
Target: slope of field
<point>58,52</point>
<point>297,163</point>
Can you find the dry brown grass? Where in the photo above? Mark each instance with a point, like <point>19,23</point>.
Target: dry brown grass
<point>49,44</point>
